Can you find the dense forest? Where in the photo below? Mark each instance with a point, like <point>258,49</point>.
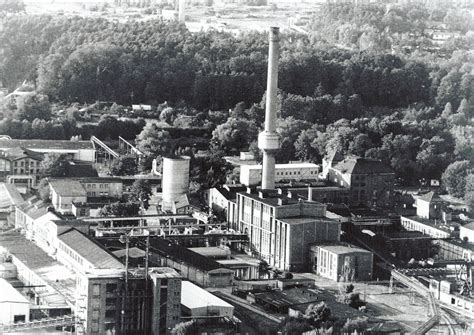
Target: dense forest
<point>355,83</point>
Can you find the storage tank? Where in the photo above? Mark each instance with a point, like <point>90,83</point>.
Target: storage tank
<point>175,178</point>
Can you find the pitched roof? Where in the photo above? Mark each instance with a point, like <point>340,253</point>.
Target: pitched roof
<point>34,208</point>
<point>68,187</point>
<point>10,196</point>
<point>430,197</point>
<point>45,144</point>
<point>335,156</point>
<point>92,252</point>
<point>359,165</point>
<point>20,152</point>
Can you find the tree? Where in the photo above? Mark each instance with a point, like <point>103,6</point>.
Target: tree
<point>154,143</point>
<point>234,135</point>
<point>185,328</point>
<point>44,190</point>
<point>469,192</point>
<point>289,130</point>
<point>55,165</point>
<point>447,111</point>
<point>454,178</point>
<point>141,191</point>
<point>118,209</point>
<point>263,269</point>
<point>35,107</point>
<point>316,314</point>
<point>124,166</point>
<point>358,324</point>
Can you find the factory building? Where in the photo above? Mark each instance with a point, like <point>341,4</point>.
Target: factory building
<point>77,150</point>
<point>192,265</point>
<point>251,175</point>
<point>430,219</point>
<point>174,182</point>
<point>281,229</point>
<point>370,181</point>
<point>342,262</point>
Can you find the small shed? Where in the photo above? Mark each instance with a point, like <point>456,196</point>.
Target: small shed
<point>197,302</point>
<point>14,307</point>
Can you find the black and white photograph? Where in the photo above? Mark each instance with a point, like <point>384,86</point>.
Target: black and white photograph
<point>237,167</point>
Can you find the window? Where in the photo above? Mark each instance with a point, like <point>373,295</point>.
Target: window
<point>111,288</point>
<point>110,313</point>
<point>96,289</point>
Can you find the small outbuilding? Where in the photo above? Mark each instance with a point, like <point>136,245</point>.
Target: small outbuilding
<point>197,302</point>
<point>14,307</point>
<point>342,262</point>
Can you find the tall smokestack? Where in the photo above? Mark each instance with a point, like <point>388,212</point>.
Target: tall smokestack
<point>181,7</point>
<point>268,140</point>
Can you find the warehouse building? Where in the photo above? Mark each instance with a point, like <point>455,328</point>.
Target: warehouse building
<point>342,262</point>
<point>251,175</point>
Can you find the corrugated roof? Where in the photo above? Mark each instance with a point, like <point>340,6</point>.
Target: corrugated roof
<point>358,165</point>
<point>46,144</point>
<point>68,187</point>
<point>91,251</point>
<point>10,196</point>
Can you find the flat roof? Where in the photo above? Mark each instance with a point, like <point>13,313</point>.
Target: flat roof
<point>180,253</point>
<point>164,272</point>
<point>46,144</point>
<point>192,296</point>
<point>301,165</point>
<point>342,248</point>
<point>305,219</point>
<point>10,294</point>
<point>438,224</point>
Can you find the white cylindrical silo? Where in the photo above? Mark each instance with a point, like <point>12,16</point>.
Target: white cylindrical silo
<point>175,178</point>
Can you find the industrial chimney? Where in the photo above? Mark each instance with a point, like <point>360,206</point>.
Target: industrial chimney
<point>268,140</point>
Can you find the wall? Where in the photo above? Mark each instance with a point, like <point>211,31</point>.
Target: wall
<point>413,225</point>
<point>8,310</point>
<point>466,233</point>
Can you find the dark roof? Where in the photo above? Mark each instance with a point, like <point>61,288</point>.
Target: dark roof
<point>46,144</point>
<point>358,165</point>
<point>19,153</point>
<point>180,253</point>
<point>68,187</point>
<point>92,252</point>
<point>335,156</point>
<point>82,170</point>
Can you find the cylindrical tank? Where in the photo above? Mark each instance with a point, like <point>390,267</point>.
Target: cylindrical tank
<point>175,178</point>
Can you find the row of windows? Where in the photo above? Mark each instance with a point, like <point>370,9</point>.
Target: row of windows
<point>71,253</point>
<point>95,185</point>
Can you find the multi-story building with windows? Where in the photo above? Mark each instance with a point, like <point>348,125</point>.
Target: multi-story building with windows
<point>20,166</point>
<point>281,229</point>
<point>370,181</point>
